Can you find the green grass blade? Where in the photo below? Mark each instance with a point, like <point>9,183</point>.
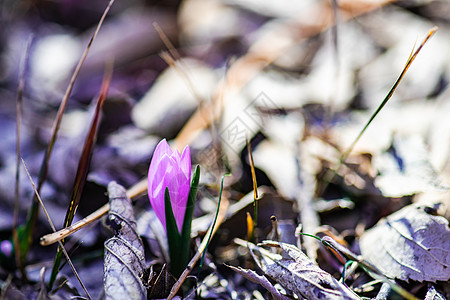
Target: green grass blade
<point>173,237</point>
<point>214,222</point>
<point>369,268</point>
<point>389,94</point>
<point>329,176</point>
<point>186,230</point>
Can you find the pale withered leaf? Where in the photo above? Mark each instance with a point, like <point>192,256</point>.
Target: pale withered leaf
<point>432,294</point>
<point>259,279</point>
<point>297,273</point>
<point>124,252</point>
<point>410,244</point>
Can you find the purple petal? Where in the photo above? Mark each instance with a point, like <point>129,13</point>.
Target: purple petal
<point>176,155</point>
<point>179,189</point>
<point>172,170</point>
<point>185,162</point>
<point>161,149</point>
<point>157,185</point>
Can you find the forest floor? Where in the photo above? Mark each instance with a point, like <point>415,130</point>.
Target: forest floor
<point>329,118</point>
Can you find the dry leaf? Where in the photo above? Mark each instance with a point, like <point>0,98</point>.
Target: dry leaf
<point>124,252</point>
<point>263,281</point>
<point>432,294</point>
<point>297,273</point>
<point>410,244</point>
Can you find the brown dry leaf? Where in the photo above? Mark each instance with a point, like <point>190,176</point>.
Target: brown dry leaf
<point>297,273</point>
<point>124,252</point>
<point>410,244</point>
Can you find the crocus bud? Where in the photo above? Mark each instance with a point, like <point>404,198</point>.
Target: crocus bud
<point>169,169</point>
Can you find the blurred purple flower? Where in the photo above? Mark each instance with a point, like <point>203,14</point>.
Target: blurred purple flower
<point>6,247</point>
<point>169,169</point>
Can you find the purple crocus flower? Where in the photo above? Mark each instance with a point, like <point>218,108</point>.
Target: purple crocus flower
<point>169,169</point>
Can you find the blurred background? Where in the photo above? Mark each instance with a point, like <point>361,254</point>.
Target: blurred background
<point>298,79</point>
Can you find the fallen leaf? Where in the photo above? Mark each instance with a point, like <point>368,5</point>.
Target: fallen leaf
<point>432,294</point>
<point>299,274</point>
<point>410,244</point>
<point>262,280</point>
<point>124,252</point>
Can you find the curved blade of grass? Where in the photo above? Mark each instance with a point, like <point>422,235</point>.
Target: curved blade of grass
<point>345,255</point>
<point>223,207</point>
<point>173,238</point>
<point>215,219</point>
<point>34,209</point>
<point>370,269</point>
<point>83,167</point>
<point>329,176</point>
<point>189,213</point>
<point>389,95</point>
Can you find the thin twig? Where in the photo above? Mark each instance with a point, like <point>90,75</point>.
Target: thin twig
<point>135,191</point>
<point>165,39</point>
<point>45,163</point>
<point>54,230</point>
<point>174,60</point>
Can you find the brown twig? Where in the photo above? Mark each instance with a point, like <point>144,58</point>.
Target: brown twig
<point>135,191</point>
<point>54,230</point>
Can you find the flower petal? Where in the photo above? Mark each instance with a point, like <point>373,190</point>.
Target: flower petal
<point>161,149</point>
<point>178,185</point>
<point>157,185</point>
<point>172,170</point>
<point>185,162</point>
